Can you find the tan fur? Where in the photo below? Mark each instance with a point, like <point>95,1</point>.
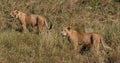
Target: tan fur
<point>78,38</point>
<point>30,19</point>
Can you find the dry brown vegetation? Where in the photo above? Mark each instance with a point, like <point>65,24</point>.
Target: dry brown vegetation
<point>102,16</point>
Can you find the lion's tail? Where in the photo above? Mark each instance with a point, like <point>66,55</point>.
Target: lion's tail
<point>49,27</point>
<point>105,45</point>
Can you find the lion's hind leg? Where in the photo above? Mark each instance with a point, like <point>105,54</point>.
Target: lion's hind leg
<point>39,27</point>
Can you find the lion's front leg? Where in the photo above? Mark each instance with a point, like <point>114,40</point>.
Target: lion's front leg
<point>76,47</point>
<point>24,28</point>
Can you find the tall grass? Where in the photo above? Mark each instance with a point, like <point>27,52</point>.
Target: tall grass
<point>50,47</point>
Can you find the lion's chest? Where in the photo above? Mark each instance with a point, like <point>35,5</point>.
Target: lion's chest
<point>73,36</point>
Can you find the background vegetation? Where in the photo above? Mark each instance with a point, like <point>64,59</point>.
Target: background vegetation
<point>102,16</point>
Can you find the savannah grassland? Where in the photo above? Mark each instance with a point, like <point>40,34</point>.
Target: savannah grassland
<point>101,16</point>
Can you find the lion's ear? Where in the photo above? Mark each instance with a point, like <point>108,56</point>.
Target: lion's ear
<point>16,11</point>
<point>68,28</point>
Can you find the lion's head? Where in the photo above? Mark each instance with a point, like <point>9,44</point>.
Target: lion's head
<point>14,13</point>
<point>65,31</point>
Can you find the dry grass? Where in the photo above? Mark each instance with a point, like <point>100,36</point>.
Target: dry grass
<point>93,16</point>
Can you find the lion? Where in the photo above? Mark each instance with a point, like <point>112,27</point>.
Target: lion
<point>86,39</point>
<point>30,19</point>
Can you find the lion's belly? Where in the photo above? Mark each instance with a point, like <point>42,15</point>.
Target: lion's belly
<point>32,20</point>
<point>87,39</point>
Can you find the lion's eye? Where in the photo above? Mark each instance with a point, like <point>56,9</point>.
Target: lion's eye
<point>64,30</point>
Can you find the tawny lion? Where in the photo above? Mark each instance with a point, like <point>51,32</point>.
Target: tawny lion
<point>30,19</point>
<point>87,39</point>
